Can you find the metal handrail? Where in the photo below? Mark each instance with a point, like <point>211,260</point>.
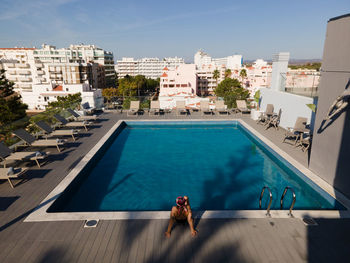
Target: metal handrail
<point>294,199</point>
<point>261,196</point>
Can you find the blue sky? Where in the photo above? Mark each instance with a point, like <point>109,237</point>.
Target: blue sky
<point>255,29</point>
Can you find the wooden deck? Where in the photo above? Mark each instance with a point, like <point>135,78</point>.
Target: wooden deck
<point>218,240</point>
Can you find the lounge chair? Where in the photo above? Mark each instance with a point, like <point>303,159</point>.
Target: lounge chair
<point>305,143</point>
<point>77,124</point>
<point>181,107</point>
<point>134,108</point>
<point>79,117</point>
<point>204,106</point>
<point>29,140</point>
<point>87,109</point>
<point>220,107</point>
<point>297,131</point>
<point>242,106</point>
<point>11,173</point>
<point>6,154</point>
<point>265,116</point>
<point>274,120</point>
<point>155,107</point>
<point>49,132</point>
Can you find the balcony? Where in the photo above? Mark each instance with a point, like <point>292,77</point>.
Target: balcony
<point>10,65</point>
<point>11,72</point>
<point>25,65</point>
<point>24,72</point>
<point>25,86</point>
<point>12,78</point>
<point>40,72</point>
<point>39,65</point>
<point>25,79</point>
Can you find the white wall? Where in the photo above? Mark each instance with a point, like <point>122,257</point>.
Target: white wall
<point>292,106</point>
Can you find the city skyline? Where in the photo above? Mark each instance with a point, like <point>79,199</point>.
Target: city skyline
<point>159,29</point>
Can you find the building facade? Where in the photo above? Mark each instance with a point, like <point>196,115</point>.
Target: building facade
<point>148,67</point>
<point>231,62</point>
<point>27,67</point>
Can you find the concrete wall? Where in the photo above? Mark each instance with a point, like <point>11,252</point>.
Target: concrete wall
<point>293,106</point>
<point>279,67</point>
<point>331,143</point>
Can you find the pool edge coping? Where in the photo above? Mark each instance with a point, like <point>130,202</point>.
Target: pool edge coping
<point>39,213</point>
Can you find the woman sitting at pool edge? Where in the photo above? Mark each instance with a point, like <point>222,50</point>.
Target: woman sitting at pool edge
<point>179,213</point>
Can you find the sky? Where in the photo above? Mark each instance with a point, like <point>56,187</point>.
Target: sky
<point>145,28</point>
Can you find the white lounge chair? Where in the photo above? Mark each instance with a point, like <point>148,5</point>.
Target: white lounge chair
<point>77,124</point>
<point>11,173</point>
<point>204,106</point>
<point>49,132</point>
<point>242,106</point>
<point>29,140</point>
<point>220,107</point>
<point>134,108</point>
<point>155,107</point>
<point>6,154</point>
<point>181,107</point>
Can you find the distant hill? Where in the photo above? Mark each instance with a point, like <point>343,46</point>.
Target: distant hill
<point>292,61</point>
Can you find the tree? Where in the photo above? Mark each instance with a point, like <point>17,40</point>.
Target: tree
<point>231,90</point>
<point>243,74</point>
<point>228,73</point>
<point>65,102</point>
<point>109,93</point>
<point>216,76</point>
<point>11,106</point>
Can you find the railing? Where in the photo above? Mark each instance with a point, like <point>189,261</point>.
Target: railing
<point>270,200</point>
<point>304,83</point>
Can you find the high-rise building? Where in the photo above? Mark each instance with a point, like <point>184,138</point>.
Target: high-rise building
<point>149,67</point>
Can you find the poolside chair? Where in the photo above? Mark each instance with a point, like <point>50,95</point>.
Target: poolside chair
<point>274,120</point>
<point>134,108</point>
<point>29,140</point>
<point>11,173</point>
<point>305,143</point>
<point>220,107</point>
<point>6,154</point>
<point>87,108</point>
<point>297,131</point>
<point>265,116</point>
<point>181,107</point>
<point>242,106</point>
<point>204,107</point>
<point>49,132</point>
<point>64,122</point>
<point>155,107</point>
<point>79,117</point>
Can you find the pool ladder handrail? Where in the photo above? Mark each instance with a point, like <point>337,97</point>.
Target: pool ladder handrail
<point>294,199</point>
<point>270,202</point>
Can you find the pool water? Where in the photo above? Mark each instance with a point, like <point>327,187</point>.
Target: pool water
<point>220,166</point>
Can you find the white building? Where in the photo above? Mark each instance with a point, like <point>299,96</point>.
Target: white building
<point>42,94</point>
<point>206,81</point>
<point>28,67</point>
<point>148,67</point>
<point>231,62</point>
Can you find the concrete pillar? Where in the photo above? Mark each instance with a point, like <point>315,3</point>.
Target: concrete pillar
<point>279,71</point>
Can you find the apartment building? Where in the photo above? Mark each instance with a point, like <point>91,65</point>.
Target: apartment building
<point>148,67</point>
<point>27,67</point>
<point>231,62</point>
<point>206,81</point>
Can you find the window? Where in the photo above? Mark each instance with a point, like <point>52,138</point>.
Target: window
<point>184,85</point>
<point>67,89</point>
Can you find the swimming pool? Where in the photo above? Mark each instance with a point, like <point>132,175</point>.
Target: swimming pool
<point>220,165</point>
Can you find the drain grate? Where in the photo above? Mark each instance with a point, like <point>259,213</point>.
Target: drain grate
<point>91,223</point>
<point>308,221</point>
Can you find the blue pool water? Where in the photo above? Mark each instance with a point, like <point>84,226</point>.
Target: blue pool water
<point>219,165</point>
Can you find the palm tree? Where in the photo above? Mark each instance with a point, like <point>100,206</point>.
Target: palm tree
<point>243,74</point>
<point>216,75</point>
<point>228,73</point>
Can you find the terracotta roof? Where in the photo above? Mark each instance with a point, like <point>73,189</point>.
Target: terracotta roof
<point>165,68</point>
<point>16,48</point>
<point>164,75</point>
<point>58,88</point>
